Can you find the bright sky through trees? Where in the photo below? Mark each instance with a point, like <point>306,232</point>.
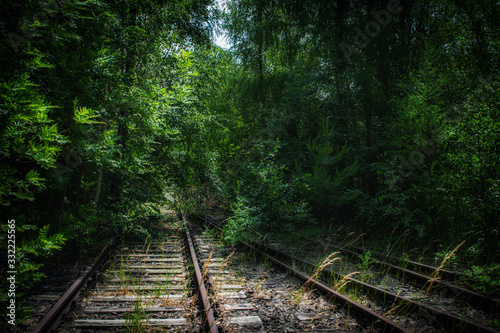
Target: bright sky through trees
<point>219,38</point>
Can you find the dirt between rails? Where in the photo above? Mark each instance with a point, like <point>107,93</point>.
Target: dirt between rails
<point>283,307</point>
<point>278,299</point>
<point>41,297</point>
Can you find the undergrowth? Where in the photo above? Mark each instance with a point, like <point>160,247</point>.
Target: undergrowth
<point>484,279</point>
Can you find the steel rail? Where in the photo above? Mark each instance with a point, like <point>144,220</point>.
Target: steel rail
<point>446,289</point>
<point>350,305</point>
<point>427,269</point>
<point>447,320</point>
<point>207,308</point>
<point>53,318</point>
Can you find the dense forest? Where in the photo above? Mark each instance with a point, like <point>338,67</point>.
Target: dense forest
<point>379,116</point>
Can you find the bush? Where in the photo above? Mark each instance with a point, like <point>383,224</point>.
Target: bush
<point>265,202</point>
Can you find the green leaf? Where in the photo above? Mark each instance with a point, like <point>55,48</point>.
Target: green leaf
<point>85,115</point>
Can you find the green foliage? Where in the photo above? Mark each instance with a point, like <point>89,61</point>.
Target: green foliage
<point>366,261</point>
<point>29,251</point>
<point>44,245</point>
<point>84,115</point>
<point>325,185</point>
<point>29,142</point>
<point>269,202</point>
<point>240,225</point>
<point>442,257</point>
<point>485,279</point>
<point>96,104</point>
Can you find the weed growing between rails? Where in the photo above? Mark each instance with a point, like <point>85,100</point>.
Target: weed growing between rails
<point>192,307</point>
<point>436,273</point>
<point>325,263</point>
<point>135,321</point>
<point>404,309</point>
<point>305,289</point>
<point>366,260</point>
<point>209,233</point>
<point>391,247</point>
<point>343,286</point>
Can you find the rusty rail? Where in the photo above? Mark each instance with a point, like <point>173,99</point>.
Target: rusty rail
<point>350,305</point>
<point>449,321</point>
<point>52,319</point>
<point>426,269</point>
<point>207,308</point>
<point>432,314</point>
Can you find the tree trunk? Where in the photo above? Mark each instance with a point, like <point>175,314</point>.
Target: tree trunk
<point>98,189</point>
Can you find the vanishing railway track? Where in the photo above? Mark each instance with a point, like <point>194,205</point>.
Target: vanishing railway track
<point>434,295</point>
<point>421,303</point>
<point>267,300</point>
<point>149,286</point>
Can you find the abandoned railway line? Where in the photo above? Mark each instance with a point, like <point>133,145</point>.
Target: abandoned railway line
<point>190,282</point>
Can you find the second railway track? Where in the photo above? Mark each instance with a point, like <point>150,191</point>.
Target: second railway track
<point>421,313</point>
<point>144,287</point>
<point>250,295</point>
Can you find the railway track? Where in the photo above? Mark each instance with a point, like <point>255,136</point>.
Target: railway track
<point>431,290</point>
<point>252,296</point>
<point>414,303</point>
<point>189,282</point>
<point>425,305</point>
<point>424,276</point>
<point>148,287</point>
<point>158,286</point>
<point>45,294</point>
